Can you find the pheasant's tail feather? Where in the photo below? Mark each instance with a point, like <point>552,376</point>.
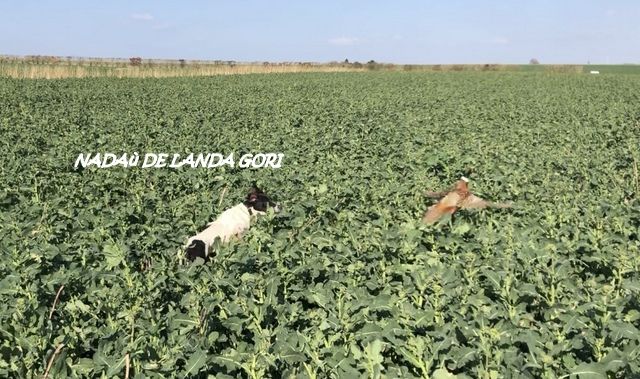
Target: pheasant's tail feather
<point>500,205</point>
<point>475,202</point>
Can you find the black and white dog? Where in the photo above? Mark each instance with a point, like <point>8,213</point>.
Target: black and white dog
<point>231,223</point>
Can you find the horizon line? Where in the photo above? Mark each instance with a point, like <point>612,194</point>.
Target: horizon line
<point>346,61</point>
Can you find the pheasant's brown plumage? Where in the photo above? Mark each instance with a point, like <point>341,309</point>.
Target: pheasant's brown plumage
<point>458,198</point>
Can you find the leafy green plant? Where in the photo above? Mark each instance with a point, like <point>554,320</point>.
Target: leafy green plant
<point>345,282</point>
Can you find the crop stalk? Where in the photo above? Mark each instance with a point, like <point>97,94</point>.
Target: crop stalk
<point>53,356</point>
<point>55,301</point>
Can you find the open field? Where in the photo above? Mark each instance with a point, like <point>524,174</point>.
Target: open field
<point>46,67</point>
<point>345,282</point>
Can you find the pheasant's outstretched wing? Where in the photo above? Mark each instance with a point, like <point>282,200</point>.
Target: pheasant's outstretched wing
<point>447,205</point>
<point>461,185</point>
<point>436,195</point>
<point>473,202</point>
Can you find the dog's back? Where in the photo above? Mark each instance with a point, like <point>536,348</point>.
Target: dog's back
<point>231,223</point>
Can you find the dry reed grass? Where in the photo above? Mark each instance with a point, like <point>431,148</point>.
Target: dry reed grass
<point>58,71</point>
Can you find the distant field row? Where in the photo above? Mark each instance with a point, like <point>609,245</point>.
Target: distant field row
<point>55,68</point>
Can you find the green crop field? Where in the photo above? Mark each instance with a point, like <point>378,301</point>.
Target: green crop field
<point>345,282</point>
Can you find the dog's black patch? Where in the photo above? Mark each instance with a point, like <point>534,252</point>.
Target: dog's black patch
<point>258,200</point>
<point>196,249</point>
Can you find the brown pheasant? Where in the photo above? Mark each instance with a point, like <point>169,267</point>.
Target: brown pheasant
<point>458,198</point>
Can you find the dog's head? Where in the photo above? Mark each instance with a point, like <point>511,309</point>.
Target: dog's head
<point>259,202</point>
<point>197,249</point>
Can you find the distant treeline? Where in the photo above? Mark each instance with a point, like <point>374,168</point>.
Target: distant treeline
<point>43,66</point>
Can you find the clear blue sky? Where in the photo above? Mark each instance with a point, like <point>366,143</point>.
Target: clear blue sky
<point>454,31</point>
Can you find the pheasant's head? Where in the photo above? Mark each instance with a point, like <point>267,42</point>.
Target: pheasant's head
<point>462,185</point>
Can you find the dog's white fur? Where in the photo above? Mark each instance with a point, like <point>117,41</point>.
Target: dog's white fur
<point>231,223</point>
